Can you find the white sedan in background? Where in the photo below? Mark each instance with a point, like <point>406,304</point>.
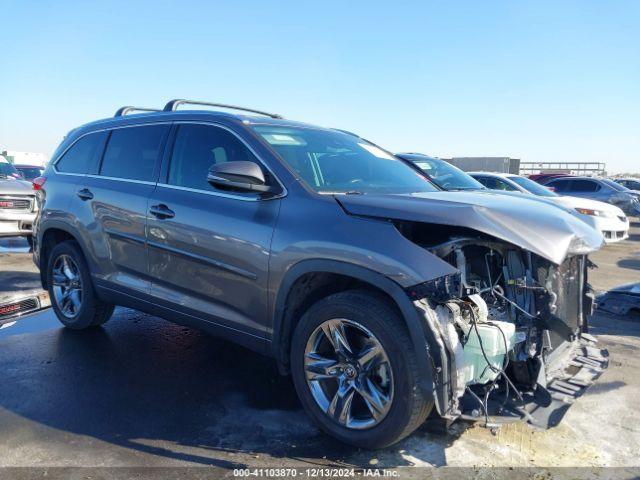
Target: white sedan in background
<point>604,217</point>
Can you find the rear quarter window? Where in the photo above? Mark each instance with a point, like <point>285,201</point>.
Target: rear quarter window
<point>84,154</point>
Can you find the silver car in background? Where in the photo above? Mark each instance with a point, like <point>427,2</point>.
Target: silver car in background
<point>17,203</point>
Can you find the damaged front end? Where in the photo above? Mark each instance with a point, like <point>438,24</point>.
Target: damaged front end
<point>508,334</point>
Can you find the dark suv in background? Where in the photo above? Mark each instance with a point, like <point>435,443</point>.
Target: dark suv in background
<point>384,297</point>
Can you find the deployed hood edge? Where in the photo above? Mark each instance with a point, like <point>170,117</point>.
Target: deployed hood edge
<point>544,230</point>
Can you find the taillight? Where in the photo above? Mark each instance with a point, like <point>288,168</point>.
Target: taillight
<point>38,183</point>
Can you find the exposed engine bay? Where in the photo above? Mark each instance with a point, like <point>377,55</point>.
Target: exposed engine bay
<point>513,327</point>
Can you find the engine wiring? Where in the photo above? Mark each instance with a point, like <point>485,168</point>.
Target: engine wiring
<point>500,372</point>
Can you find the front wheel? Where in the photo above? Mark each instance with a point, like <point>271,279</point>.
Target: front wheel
<point>355,370</point>
<point>71,291</point>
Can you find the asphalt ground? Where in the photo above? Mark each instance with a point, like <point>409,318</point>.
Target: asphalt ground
<point>143,392</point>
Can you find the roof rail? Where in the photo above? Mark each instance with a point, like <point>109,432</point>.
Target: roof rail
<point>122,111</point>
<point>173,105</point>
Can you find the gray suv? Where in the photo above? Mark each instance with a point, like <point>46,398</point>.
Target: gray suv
<point>384,297</point>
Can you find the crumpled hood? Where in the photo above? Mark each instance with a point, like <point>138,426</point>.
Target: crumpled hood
<point>542,229</point>
<point>9,186</point>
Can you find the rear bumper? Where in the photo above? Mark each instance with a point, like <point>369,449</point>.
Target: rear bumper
<point>564,376</point>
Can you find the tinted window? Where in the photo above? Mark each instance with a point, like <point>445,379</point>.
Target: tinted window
<point>560,185</point>
<point>495,183</point>
<point>584,186</point>
<point>487,182</point>
<point>132,152</point>
<point>197,148</point>
<point>83,154</point>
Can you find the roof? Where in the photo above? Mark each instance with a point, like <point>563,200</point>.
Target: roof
<point>194,115</point>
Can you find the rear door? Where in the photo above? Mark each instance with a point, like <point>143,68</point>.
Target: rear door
<point>114,198</point>
<point>209,249</point>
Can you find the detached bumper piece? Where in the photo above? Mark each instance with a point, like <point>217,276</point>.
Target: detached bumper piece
<point>572,369</point>
<point>623,300</point>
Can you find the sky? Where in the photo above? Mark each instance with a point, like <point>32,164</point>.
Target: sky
<point>537,80</point>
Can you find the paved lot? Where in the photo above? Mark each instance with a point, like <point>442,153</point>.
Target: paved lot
<point>144,392</point>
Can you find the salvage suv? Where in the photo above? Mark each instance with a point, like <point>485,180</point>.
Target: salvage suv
<point>384,297</point>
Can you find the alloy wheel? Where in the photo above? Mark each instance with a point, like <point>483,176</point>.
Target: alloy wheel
<point>67,285</point>
<point>348,373</point>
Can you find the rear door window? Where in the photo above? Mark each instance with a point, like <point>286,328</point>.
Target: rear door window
<point>133,152</point>
<point>584,186</point>
<point>83,156</point>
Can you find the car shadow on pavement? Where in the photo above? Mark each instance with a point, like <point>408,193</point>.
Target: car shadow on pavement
<point>630,263</point>
<point>18,281</point>
<point>154,387</point>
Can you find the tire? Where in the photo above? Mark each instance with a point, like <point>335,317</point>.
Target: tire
<point>90,311</point>
<point>358,314</point>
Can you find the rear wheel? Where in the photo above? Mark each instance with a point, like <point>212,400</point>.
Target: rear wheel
<point>355,370</point>
<point>71,291</point>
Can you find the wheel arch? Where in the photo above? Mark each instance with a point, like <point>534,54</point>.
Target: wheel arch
<point>49,236</point>
<point>295,295</point>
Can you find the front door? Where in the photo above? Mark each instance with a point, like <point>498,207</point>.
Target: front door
<point>209,249</point>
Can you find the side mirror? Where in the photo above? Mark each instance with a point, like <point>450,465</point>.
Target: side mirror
<point>553,189</point>
<point>239,176</point>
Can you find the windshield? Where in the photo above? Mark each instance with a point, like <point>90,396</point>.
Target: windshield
<point>330,161</point>
<point>443,174</point>
<point>8,170</point>
<point>615,185</point>
<point>30,172</point>
<point>533,187</point>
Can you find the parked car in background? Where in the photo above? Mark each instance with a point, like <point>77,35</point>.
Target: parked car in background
<point>630,183</point>
<point>601,189</point>
<point>543,177</point>
<point>442,173</point>
<point>7,170</point>
<point>604,217</point>
<point>29,172</point>
<point>17,203</point>
<point>384,297</point>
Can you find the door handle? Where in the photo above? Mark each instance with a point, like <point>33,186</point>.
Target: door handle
<point>84,194</point>
<point>161,211</point>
